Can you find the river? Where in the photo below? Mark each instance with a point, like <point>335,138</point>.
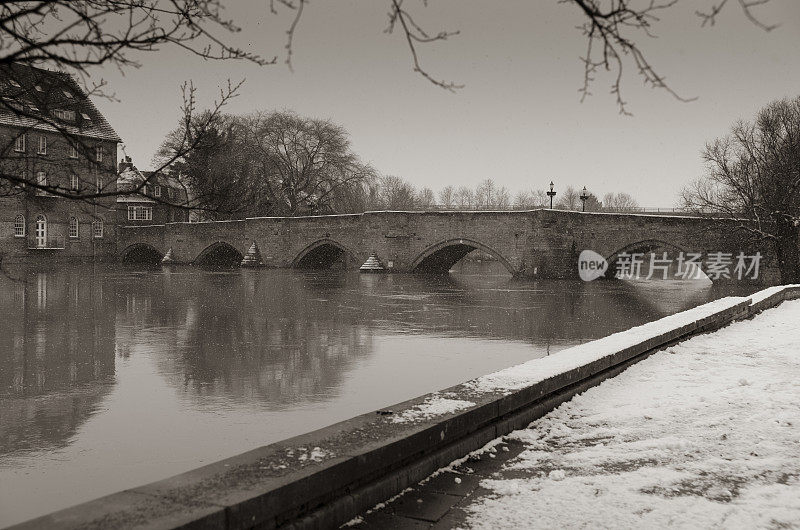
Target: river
<point>112,376</point>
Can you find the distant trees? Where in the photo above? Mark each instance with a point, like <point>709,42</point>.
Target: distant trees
<point>618,202</point>
<point>753,174</point>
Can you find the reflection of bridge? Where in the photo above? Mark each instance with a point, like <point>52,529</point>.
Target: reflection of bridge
<point>539,243</point>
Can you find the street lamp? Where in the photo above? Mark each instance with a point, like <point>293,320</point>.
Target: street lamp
<point>551,194</point>
<point>584,196</point>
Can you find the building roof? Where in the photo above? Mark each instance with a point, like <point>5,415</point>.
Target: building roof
<point>129,177</point>
<point>45,100</point>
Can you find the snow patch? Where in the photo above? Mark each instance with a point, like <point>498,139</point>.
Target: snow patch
<point>434,405</point>
<point>537,370</point>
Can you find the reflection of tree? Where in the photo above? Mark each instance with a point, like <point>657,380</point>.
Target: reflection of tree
<point>249,335</point>
<point>56,355</point>
<point>286,337</point>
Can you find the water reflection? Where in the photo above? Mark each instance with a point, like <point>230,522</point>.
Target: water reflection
<point>56,356</point>
<point>155,370</point>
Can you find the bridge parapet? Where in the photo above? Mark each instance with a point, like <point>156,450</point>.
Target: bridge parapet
<point>537,243</point>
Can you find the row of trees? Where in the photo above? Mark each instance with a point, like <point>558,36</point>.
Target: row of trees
<point>394,193</point>
<point>279,163</point>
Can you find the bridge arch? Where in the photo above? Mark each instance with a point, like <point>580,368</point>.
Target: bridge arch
<point>219,254</point>
<point>440,258</point>
<point>644,246</point>
<point>323,254</point>
<point>141,253</point>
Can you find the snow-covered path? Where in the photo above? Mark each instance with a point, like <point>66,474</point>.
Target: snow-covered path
<point>705,434</point>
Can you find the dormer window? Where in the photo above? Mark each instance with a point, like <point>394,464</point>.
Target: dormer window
<point>66,115</point>
<point>14,83</point>
<point>68,94</point>
<point>86,116</point>
<point>39,88</point>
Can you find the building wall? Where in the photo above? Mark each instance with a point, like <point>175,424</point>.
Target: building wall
<point>59,168</point>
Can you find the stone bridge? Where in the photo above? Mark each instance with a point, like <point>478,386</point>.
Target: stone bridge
<point>538,243</point>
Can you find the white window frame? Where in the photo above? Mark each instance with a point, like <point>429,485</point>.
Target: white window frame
<point>19,226</point>
<point>97,229</point>
<point>140,213</point>
<point>156,191</point>
<point>19,143</point>
<point>41,180</point>
<point>73,151</point>
<point>42,148</point>
<point>98,153</point>
<point>74,227</point>
<point>74,182</point>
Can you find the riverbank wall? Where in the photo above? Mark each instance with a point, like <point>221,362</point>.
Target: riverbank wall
<point>323,478</point>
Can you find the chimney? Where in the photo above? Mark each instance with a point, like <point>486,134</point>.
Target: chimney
<point>126,164</point>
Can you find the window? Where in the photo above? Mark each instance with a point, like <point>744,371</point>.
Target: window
<point>98,153</point>
<point>86,116</point>
<point>156,191</point>
<point>73,227</point>
<point>14,83</point>
<point>73,151</point>
<point>98,184</point>
<point>140,213</point>
<point>68,94</point>
<point>66,115</point>
<point>73,182</point>
<point>42,150</point>
<point>39,88</point>
<point>97,228</point>
<point>19,226</point>
<point>41,180</point>
<point>19,143</point>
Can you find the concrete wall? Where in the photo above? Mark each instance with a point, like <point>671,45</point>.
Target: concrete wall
<point>539,244</point>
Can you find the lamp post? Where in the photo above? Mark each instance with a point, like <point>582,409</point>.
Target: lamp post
<point>584,196</point>
<point>551,194</point>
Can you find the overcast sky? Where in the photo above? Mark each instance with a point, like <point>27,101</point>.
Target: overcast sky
<point>518,120</point>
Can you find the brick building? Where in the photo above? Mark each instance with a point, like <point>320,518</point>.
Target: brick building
<point>52,136</point>
<point>161,199</point>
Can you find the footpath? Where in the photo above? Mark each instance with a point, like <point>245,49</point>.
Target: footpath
<point>702,434</point>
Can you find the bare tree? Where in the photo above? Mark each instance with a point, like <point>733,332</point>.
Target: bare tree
<point>447,197</point>
<point>485,194</point>
<point>425,198</point>
<point>569,200</point>
<point>619,202</point>
<point>502,199</point>
<point>614,31</point>
<point>753,174</point>
<point>397,194</point>
<point>275,163</point>
<point>464,198</point>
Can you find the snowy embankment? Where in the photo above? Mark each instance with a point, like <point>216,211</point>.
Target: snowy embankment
<point>704,434</point>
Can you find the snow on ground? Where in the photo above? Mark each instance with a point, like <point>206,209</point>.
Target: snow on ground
<point>536,370</point>
<point>705,434</point>
<point>435,405</point>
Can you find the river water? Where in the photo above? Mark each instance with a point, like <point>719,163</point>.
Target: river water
<point>115,376</point>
